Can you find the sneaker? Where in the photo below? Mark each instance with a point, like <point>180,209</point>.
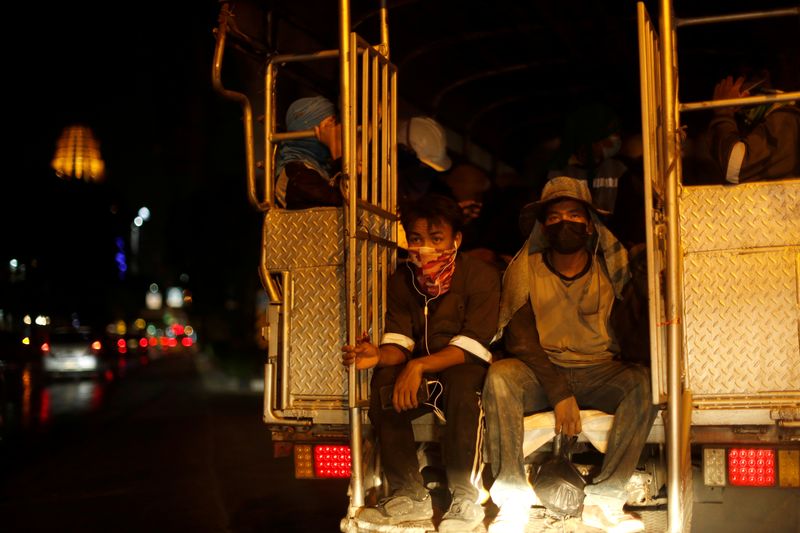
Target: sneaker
<point>512,518</point>
<point>397,509</point>
<point>463,515</point>
<point>610,519</point>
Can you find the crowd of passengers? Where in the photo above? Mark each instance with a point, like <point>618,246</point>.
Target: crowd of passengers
<point>511,299</point>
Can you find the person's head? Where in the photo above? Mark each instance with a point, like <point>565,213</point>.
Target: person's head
<point>565,210</point>
<point>592,133</point>
<point>433,221</point>
<point>426,140</point>
<point>468,182</point>
<point>306,113</point>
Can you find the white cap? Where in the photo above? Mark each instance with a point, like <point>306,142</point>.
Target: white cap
<point>427,138</point>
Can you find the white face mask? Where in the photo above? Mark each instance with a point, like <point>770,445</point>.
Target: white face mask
<point>616,145</point>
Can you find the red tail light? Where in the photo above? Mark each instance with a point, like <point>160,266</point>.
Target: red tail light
<point>45,347</point>
<point>321,461</point>
<point>751,467</point>
<point>143,342</point>
<point>186,341</point>
<point>332,461</point>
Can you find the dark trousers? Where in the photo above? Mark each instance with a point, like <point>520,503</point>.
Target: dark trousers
<point>461,440</point>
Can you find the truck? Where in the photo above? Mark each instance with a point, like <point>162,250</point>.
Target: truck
<point>723,261</point>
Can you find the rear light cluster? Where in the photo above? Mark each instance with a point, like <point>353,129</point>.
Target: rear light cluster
<point>751,467</point>
<point>321,461</point>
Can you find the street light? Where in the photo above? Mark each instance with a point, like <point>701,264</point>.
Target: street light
<point>142,216</point>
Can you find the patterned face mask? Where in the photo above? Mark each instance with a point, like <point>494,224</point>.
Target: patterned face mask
<point>433,268</point>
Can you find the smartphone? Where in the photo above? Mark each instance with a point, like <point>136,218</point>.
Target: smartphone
<point>753,85</point>
<point>387,390</point>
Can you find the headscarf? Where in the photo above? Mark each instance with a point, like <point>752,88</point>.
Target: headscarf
<point>517,277</point>
<point>305,114</point>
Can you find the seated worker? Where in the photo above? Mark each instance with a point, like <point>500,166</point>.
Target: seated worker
<point>441,315</point>
<point>561,295</point>
<point>307,170</point>
<point>590,141</point>
<point>757,142</point>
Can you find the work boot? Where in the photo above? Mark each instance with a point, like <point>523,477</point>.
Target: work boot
<point>397,509</point>
<point>463,515</point>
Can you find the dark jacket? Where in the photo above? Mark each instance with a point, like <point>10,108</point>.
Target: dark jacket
<point>772,145</point>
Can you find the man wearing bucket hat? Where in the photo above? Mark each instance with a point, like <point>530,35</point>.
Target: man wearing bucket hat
<point>561,293</point>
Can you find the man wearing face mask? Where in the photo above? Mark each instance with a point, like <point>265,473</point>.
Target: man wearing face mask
<point>561,294</point>
<point>589,143</point>
<point>442,308</point>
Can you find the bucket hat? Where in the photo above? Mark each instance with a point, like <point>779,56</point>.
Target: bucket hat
<point>558,188</point>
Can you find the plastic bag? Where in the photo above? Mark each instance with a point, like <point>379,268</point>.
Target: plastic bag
<point>558,483</point>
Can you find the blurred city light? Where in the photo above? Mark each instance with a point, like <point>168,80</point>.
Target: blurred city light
<point>78,155</point>
<point>138,221</point>
<point>144,213</point>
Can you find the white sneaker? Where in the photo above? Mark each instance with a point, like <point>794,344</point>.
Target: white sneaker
<point>610,519</point>
<point>512,518</point>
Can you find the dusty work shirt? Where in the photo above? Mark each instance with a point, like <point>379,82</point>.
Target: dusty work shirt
<point>572,316</point>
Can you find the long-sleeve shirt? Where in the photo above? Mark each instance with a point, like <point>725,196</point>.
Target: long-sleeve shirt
<point>770,151</point>
<point>465,316</point>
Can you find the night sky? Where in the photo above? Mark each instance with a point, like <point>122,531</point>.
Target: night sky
<point>140,77</point>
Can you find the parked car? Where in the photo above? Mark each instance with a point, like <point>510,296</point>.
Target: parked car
<point>73,351</point>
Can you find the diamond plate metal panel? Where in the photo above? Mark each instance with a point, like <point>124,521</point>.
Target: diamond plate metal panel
<point>317,331</point>
<point>303,238</point>
<point>751,215</point>
<point>309,243</point>
<point>741,323</point>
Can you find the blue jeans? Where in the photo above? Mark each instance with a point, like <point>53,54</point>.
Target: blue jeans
<point>513,391</point>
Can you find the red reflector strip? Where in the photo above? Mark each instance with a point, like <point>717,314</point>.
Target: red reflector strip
<point>332,461</point>
<point>751,467</point>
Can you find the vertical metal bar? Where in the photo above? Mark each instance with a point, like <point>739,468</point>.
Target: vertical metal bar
<point>377,186</point>
<point>649,106</point>
<point>345,67</point>
<point>286,331</point>
<point>363,101</point>
<point>393,155</point>
<point>669,101</point>
<point>377,190</point>
<point>388,161</point>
